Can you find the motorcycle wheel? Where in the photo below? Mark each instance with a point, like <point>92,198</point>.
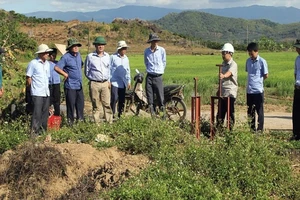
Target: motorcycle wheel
<point>175,109</point>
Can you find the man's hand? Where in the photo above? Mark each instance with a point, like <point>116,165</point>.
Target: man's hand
<point>1,92</point>
<point>65,76</point>
<point>128,86</point>
<point>222,76</point>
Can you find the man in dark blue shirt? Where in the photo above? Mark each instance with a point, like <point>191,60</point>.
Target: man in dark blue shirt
<point>70,67</point>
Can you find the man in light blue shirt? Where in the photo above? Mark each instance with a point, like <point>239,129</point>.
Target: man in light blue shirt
<point>257,69</point>
<point>155,61</point>
<point>37,78</point>
<point>54,83</point>
<point>97,70</point>
<point>120,77</point>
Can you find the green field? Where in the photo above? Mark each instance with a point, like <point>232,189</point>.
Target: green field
<point>182,69</point>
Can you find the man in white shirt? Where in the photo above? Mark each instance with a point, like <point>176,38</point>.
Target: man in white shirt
<point>37,78</point>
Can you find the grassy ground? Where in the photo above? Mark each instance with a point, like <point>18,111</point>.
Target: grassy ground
<point>237,165</point>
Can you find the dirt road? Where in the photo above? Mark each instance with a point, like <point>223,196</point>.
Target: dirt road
<point>276,118</point>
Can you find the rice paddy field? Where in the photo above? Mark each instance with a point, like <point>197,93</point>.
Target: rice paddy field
<point>182,69</point>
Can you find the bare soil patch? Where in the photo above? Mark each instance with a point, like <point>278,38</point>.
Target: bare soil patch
<point>29,172</point>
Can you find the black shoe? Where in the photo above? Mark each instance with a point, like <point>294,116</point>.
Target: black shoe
<point>295,137</point>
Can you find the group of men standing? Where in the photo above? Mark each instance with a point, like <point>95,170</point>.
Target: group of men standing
<point>108,75</point>
<point>257,69</point>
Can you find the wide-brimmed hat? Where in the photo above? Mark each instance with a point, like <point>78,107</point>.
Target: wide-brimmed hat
<point>297,44</point>
<point>43,48</point>
<point>72,42</point>
<point>2,50</point>
<point>99,40</point>
<point>122,44</point>
<point>54,51</point>
<point>153,37</point>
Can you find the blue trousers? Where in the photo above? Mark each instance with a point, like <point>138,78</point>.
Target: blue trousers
<point>55,98</point>
<point>117,95</point>
<point>74,100</point>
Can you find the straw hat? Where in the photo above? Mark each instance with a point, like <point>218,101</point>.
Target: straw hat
<point>122,44</point>
<point>43,48</point>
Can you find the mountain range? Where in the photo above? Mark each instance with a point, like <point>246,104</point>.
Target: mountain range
<point>282,15</point>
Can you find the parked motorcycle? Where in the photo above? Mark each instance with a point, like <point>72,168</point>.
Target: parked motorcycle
<point>136,100</point>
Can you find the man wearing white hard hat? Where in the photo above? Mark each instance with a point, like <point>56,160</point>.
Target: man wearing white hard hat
<point>228,77</point>
<point>37,78</point>
<point>120,77</point>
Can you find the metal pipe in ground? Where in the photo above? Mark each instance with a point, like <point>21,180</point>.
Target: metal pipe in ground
<point>196,111</point>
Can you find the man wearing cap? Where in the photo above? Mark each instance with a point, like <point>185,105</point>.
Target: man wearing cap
<point>54,83</point>
<point>70,66</point>
<point>37,77</point>
<point>1,85</point>
<point>155,62</point>
<point>120,77</point>
<point>296,101</point>
<point>97,70</point>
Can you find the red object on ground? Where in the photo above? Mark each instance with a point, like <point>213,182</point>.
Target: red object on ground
<point>54,122</point>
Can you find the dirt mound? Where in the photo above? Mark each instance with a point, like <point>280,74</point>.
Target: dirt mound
<point>63,171</point>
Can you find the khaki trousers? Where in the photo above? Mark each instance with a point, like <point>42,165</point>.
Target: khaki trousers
<point>100,96</point>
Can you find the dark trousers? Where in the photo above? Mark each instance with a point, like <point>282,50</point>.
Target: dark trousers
<point>154,87</point>
<point>55,98</point>
<point>28,100</point>
<point>117,95</point>
<point>74,100</point>
<point>222,110</point>
<point>40,114</point>
<point>296,114</point>
<point>255,102</point>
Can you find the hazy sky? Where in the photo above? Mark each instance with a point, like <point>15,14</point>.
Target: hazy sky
<point>27,6</point>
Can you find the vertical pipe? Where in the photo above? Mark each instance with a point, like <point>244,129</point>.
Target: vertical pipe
<point>228,113</point>
<point>196,110</point>
<point>212,117</point>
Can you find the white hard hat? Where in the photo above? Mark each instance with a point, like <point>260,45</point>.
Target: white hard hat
<point>228,47</point>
